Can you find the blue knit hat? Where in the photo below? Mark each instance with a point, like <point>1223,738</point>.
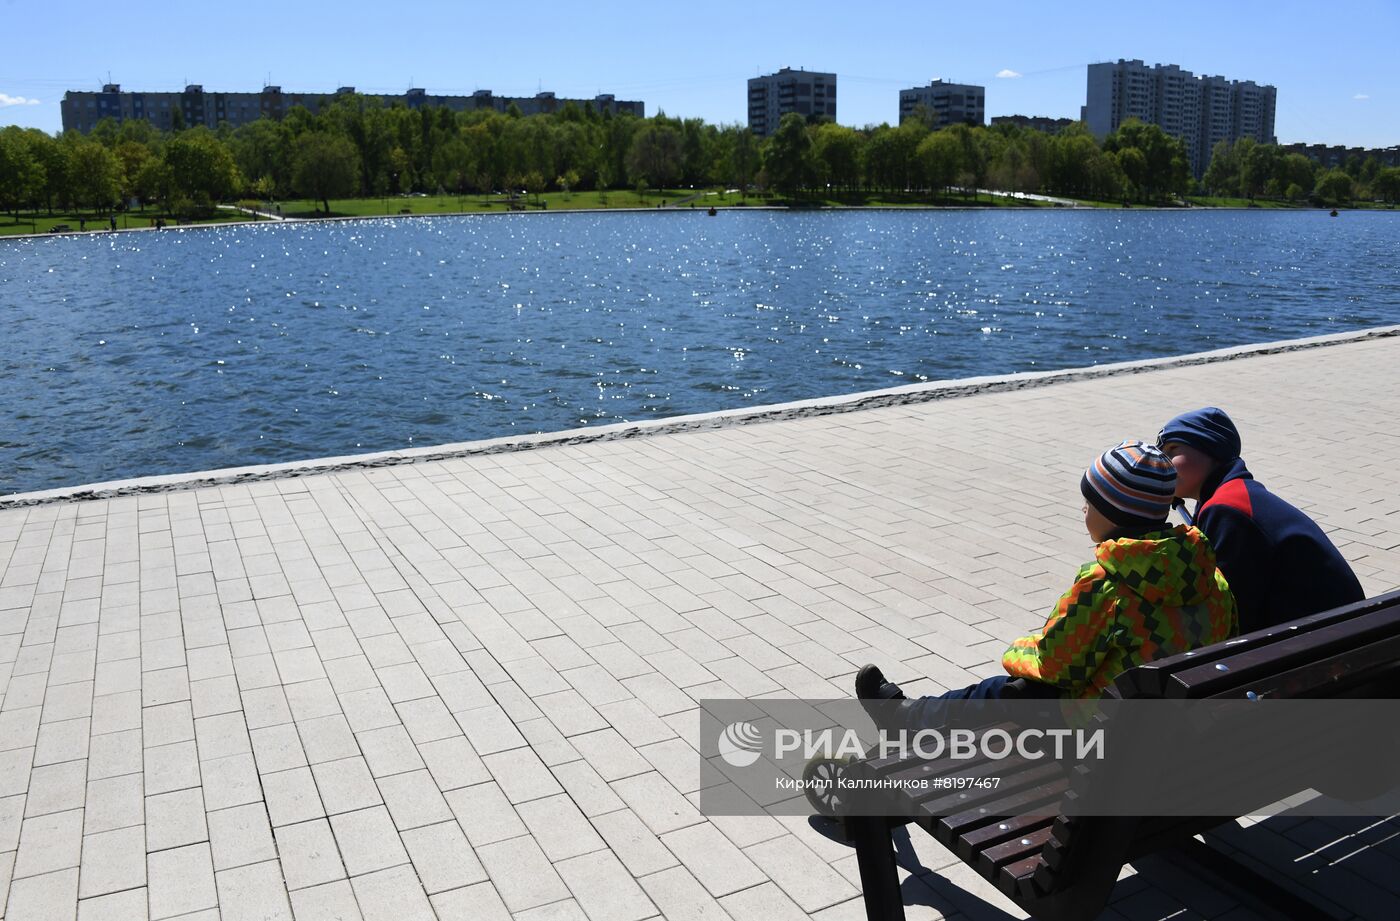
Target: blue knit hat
<point>1132,484</point>
<point>1208,430</point>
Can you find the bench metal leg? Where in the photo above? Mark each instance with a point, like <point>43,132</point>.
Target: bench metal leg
<point>878,875</point>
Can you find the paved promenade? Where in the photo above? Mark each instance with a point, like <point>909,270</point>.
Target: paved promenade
<point>465,689</point>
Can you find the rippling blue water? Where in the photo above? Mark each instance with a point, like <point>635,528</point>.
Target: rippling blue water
<point>144,353</point>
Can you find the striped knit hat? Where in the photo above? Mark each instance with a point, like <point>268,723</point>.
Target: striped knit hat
<point>1131,484</point>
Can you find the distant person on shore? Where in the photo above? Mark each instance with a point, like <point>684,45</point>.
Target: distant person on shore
<point>1280,564</point>
<point>1152,590</point>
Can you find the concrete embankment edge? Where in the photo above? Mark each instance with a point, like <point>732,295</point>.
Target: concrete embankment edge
<point>872,399</point>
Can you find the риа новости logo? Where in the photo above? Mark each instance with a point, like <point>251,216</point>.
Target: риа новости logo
<point>740,744</point>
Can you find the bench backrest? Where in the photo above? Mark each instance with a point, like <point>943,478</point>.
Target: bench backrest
<point>1065,867</point>
<point>1349,651</point>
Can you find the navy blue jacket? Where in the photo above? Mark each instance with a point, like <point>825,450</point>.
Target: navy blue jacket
<point>1279,563</point>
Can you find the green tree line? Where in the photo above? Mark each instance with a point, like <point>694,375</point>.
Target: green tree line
<point>1248,169</point>
<point>357,147</point>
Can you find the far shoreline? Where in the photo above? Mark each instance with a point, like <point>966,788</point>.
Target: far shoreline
<point>1194,209</point>
<point>908,394</point>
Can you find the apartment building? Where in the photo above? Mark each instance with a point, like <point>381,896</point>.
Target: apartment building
<point>83,110</point>
<point>947,103</point>
<point>1199,110</point>
<point>806,92</point>
<point>1336,155</point>
<point>1043,123</point>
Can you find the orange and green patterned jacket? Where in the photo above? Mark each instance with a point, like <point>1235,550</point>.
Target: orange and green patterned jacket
<point>1141,599</point>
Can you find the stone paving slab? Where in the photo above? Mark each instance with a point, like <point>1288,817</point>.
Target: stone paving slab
<point>465,688</point>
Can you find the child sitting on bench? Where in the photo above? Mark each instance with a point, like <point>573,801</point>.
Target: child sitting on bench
<point>1152,590</point>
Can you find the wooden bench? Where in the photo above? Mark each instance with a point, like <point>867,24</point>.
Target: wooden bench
<point>1064,868</point>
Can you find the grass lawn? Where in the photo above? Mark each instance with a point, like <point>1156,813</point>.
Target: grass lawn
<point>1209,201</point>
<point>480,204</point>
<point>41,222</point>
<point>1094,202</point>
<point>1221,201</point>
<point>37,222</point>
<point>670,198</point>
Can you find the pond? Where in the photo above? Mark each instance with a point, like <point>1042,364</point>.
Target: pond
<point>136,354</point>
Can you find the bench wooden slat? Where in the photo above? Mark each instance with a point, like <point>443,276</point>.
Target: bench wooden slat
<point>970,845</point>
<point>1040,785</point>
<point>1015,876</point>
<point>941,803</point>
<point>991,859</point>
<point>1357,668</point>
<point>1013,779</point>
<point>1062,836</point>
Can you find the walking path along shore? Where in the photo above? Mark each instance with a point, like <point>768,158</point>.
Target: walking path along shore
<point>465,687</point>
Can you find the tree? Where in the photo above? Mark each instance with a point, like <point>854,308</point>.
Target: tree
<point>883,166</point>
<point>264,148</point>
<point>132,158</point>
<point>95,175</point>
<point>1011,168</point>
<point>1133,162</point>
<point>1294,170</point>
<point>53,158</point>
<point>400,168</point>
<point>154,182</point>
<point>655,156</point>
<point>1386,185</point>
<point>1335,187</point>
<point>138,131</point>
<point>976,154</point>
<point>744,161</point>
<point>698,140</point>
<point>1104,177</point>
<point>201,168</point>
<point>325,165</point>
<point>1071,154</point>
<point>1258,165</point>
<point>940,157</point>
<point>263,188</point>
<point>21,171</point>
<point>788,156</point>
<point>1165,168</point>
<point>105,132</point>
<point>838,149</point>
<point>1222,176</point>
<point>453,166</point>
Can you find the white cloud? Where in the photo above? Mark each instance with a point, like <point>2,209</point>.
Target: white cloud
<point>1361,96</point>
<point>1007,74</point>
<point>8,100</point>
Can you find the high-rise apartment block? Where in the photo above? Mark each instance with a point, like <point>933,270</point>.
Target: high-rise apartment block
<point>806,92</point>
<point>82,110</point>
<point>946,103</point>
<point>1199,110</point>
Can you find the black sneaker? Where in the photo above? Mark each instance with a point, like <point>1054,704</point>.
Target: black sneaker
<point>871,685</point>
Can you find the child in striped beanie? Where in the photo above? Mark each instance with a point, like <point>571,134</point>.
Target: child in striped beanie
<point>1152,590</point>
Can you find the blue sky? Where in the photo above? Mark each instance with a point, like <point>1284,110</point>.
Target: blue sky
<point>1335,65</point>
